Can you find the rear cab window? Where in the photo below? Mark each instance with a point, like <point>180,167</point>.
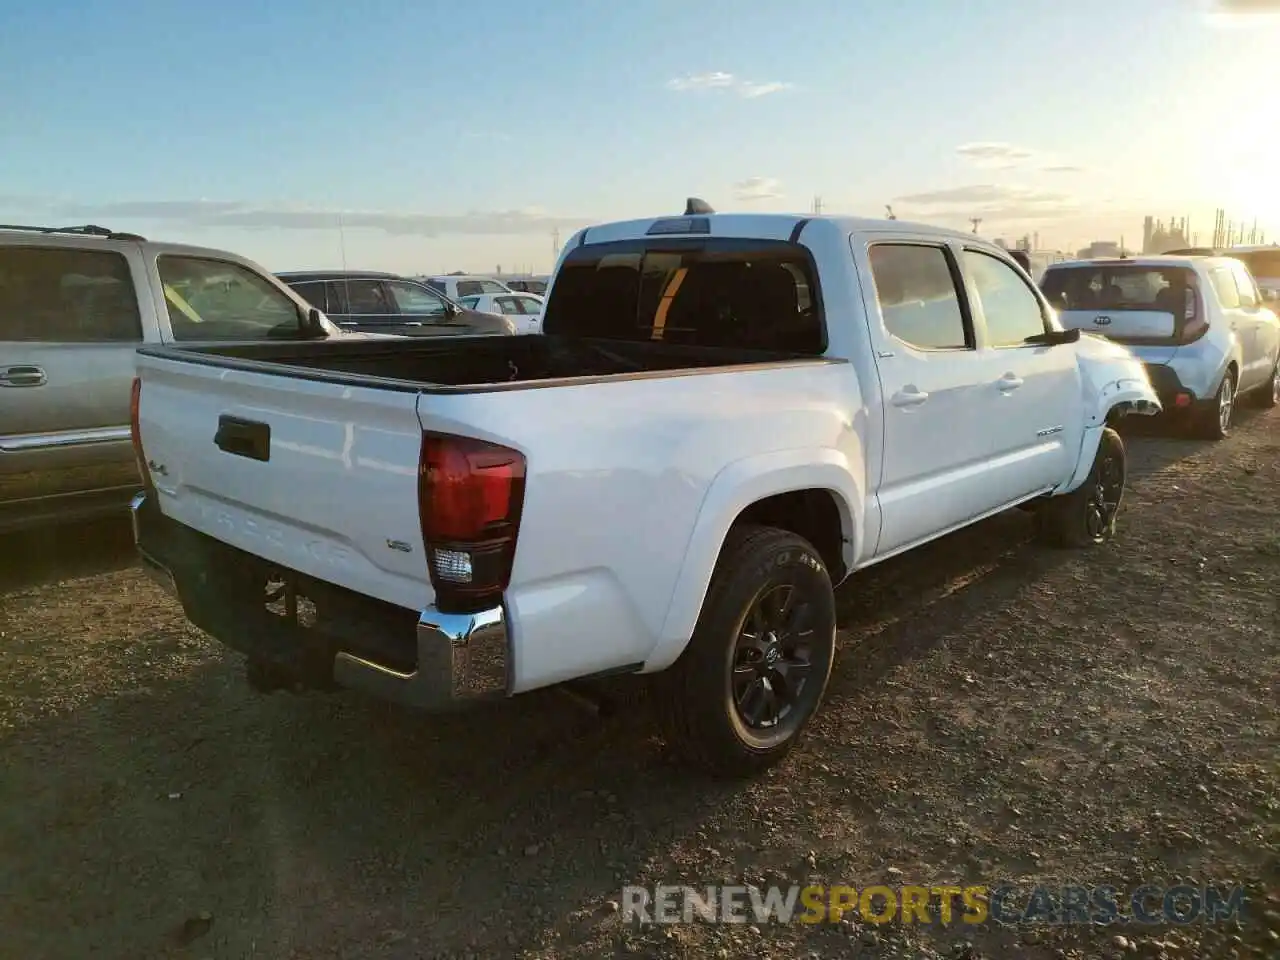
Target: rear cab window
<point>722,292</point>
<point>63,295</point>
<point>1126,302</point>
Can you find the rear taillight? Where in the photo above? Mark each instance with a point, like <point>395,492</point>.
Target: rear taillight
<point>135,431</point>
<point>1194,324</point>
<point>470,494</point>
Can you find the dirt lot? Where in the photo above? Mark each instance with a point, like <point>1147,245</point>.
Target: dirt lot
<point>998,712</point>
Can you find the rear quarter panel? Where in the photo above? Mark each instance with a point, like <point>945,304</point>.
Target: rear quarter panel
<point>622,490</point>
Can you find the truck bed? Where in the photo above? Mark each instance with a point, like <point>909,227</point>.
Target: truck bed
<point>476,364</point>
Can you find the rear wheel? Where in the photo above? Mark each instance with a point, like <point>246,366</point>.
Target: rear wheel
<point>1213,421</point>
<point>1087,515</point>
<point>757,667</point>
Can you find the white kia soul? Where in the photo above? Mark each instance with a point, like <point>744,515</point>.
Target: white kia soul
<point>1200,325</point>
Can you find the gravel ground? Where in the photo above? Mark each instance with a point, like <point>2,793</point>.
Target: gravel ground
<point>998,712</point>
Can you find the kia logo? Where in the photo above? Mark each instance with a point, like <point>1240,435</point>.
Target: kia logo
<point>1102,321</point>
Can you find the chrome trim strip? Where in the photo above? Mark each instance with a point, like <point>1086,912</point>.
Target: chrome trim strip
<point>461,658</point>
<point>68,438</point>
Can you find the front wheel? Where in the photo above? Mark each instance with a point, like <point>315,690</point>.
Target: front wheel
<point>1087,515</point>
<point>758,663</point>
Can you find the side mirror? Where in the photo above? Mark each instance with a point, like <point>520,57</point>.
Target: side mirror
<point>451,309</point>
<point>1053,338</point>
<point>314,325</point>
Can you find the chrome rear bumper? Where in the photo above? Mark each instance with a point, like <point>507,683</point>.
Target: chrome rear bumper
<point>461,658</point>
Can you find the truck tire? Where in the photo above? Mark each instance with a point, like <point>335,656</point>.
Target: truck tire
<point>769,616</point>
<point>1087,515</point>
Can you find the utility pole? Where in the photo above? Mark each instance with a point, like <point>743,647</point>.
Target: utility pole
<point>817,204</point>
<point>975,221</point>
<point>890,215</point>
<point>555,243</point>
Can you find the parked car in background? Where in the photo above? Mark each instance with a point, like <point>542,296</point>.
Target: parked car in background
<point>457,287</point>
<point>375,302</point>
<point>1200,324</point>
<point>74,306</point>
<point>523,309</point>
<point>727,416</point>
<point>536,285</point>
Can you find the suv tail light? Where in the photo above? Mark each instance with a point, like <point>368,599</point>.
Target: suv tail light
<point>135,431</point>
<point>470,495</point>
<point>1194,323</point>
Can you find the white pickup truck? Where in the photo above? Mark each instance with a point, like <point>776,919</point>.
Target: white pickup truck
<point>725,416</point>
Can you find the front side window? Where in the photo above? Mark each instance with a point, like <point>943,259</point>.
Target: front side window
<point>530,305</point>
<point>219,300</point>
<point>1245,287</point>
<point>1010,308</point>
<point>411,298</point>
<point>733,293</point>
<point>917,296</point>
<point>367,298</point>
<point>58,295</point>
<point>1224,286</point>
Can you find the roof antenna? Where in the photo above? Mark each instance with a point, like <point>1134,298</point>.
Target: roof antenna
<point>696,207</point>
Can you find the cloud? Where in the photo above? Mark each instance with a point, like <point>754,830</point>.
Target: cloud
<point>718,80</point>
<point>234,214</point>
<point>1248,7</point>
<point>757,188</point>
<point>1062,168</point>
<point>989,201</point>
<point>994,156</point>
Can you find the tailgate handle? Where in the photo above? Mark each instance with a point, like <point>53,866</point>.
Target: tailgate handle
<point>244,438</point>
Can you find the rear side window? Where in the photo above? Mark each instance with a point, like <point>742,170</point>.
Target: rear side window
<point>736,293</point>
<point>67,296</point>
<point>1224,285</point>
<point>1116,288</point>
<point>917,296</point>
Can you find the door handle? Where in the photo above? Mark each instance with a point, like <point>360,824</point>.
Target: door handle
<point>1008,382</point>
<point>909,397</point>
<point>23,377</point>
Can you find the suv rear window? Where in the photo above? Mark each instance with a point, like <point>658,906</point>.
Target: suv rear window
<point>752,294</point>
<point>1116,288</point>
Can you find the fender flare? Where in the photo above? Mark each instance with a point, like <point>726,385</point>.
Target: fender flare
<point>735,488</point>
<point>1126,391</point>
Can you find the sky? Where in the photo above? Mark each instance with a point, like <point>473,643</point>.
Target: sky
<point>427,137</point>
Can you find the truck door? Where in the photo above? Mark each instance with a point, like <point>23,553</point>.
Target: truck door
<point>935,444</point>
<point>1030,393</point>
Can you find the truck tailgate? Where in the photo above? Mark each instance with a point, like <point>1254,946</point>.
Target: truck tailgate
<point>316,477</point>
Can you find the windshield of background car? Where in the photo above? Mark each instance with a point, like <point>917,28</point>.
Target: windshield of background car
<point>1116,288</point>
<point>740,293</point>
